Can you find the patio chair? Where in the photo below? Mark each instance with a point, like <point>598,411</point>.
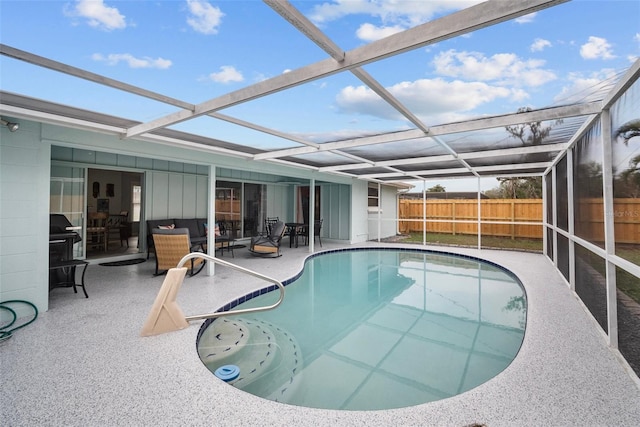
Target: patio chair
<point>224,236</point>
<point>269,223</point>
<point>269,244</point>
<point>317,227</point>
<point>98,230</point>
<point>124,228</point>
<point>171,246</point>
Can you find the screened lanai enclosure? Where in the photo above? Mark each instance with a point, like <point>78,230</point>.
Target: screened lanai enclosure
<point>584,144</point>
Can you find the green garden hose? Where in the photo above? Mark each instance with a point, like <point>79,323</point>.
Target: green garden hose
<point>5,332</point>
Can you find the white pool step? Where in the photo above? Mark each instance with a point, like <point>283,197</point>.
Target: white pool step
<point>267,355</point>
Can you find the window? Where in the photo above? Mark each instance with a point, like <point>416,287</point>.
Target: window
<point>136,196</point>
<point>373,196</point>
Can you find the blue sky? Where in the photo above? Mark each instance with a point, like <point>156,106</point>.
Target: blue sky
<point>197,50</point>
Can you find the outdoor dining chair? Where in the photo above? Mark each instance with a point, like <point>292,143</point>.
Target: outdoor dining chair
<point>317,227</point>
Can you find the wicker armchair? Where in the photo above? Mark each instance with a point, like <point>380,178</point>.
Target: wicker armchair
<point>171,246</point>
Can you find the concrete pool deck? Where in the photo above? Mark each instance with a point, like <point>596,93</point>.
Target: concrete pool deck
<point>84,363</point>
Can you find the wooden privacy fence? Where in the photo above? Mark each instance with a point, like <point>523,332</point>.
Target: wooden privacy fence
<point>511,217</point>
<point>513,214</point>
<point>590,216</point>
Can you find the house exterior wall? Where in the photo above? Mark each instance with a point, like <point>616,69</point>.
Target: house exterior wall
<point>383,222</point>
<point>24,216</point>
<point>359,220</point>
<point>25,173</point>
<point>279,203</point>
<point>175,195</point>
<point>336,211</point>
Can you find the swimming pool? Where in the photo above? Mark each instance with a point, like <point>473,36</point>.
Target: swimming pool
<point>369,329</point>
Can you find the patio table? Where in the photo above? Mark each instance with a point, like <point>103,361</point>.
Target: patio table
<point>293,230</point>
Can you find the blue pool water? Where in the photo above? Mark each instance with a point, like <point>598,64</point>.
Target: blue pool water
<point>374,329</point>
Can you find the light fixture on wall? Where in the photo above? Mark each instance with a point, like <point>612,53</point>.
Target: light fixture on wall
<point>11,126</point>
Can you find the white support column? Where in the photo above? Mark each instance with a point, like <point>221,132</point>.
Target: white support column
<point>545,220</point>
<point>424,212</point>
<point>479,219</point>
<point>554,214</point>
<point>211,220</point>
<point>397,218</point>
<point>379,211</point>
<point>609,236</point>
<point>570,219</point>
<point>312,212</point>
<point>294,208</point>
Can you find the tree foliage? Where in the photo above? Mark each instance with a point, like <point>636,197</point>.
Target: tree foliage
<point>532,133</point>
<point>437,189</point>
<point>627,183</point>
<point>517,188</point>
<point>628,130</point>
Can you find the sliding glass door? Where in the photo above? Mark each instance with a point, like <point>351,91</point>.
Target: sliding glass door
<point>241,206</point>
<point>67,197</point>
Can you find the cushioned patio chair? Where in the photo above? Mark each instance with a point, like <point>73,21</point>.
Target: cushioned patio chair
<point>170,246</point>
<point>269,244</point>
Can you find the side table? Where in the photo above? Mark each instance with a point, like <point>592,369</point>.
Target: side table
<point>62,274</point>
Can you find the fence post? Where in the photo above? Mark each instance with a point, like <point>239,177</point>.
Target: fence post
<point>513,219</point>
<point>453,214</point>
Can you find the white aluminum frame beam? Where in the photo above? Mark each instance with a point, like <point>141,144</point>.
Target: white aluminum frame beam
<point>298,20</point>
<point>310,146</point>
<point>534,149</point>
<point>554,113</point>
<point>464,21</point>
<point>92,77</point>
<point>455,24</point>
<point>423,173</point>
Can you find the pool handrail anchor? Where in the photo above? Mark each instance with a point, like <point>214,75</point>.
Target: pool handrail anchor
<point>166,315</point>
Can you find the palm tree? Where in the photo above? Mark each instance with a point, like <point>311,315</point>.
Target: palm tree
<point>630,178</point>
<point>629,130</point>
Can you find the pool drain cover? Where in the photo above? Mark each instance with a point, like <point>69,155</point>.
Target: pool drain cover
<point>227,372</point>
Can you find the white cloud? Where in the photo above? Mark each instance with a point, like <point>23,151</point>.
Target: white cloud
<point>433,100</point>
<point>582,88</point>
<point>503,68</point>
<point>132,61</point>
<point>204,18</point>
<point>539,44</point>
<point>369,32</point>
<point>391,16</point>
<point>596,48</point>
<point>526,19</point>
<point>227,74</point>
<point>409,12</point>
<point>97,14</point>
